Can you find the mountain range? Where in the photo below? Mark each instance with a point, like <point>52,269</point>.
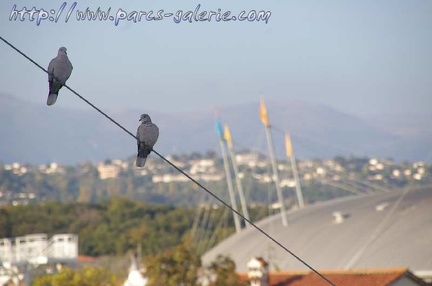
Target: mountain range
<point>35,133</point>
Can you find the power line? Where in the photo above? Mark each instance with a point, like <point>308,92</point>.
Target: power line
<point>239,214</point>
<point>177,168</point>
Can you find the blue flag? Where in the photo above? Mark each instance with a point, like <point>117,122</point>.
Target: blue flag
<point>219,128</point>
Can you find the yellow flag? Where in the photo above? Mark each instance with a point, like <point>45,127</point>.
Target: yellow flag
<point>288,146</point>
<point>227,135</point>
<point>263,114</point>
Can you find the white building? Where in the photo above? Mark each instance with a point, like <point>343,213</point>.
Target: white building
<point>258,272</point>
<point>135,278</point>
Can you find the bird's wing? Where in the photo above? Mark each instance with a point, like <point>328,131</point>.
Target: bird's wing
<point>152,135</point>
<point>138,134</point>
<point>141,133</point>
<point>51,68</point>
<point>148,134</point>
<point>69,68</point>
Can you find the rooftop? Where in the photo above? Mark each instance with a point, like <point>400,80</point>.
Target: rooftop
<point>357,277</point>
<point>369,236</point>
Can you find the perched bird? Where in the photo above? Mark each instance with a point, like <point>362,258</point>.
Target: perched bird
<point>147,135</point>
<point>59,71</point>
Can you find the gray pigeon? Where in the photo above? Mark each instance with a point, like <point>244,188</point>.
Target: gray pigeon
<point>147,135</point>
<point>59,71</point>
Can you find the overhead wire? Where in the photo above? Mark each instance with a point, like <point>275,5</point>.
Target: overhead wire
<point>179,170</point>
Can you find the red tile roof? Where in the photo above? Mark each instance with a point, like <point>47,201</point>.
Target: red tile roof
<point>376,277</point>
<point>285,278</point>
<point>280,277</point>
<point>85,258</point>
<point>358,277</point>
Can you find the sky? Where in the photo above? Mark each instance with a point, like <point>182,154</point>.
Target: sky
<point>361,57</point>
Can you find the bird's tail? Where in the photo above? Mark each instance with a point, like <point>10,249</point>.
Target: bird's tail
<point>52,98</point>
<point>140,161</point>
<point>54,88</point>
<point>143,152</point>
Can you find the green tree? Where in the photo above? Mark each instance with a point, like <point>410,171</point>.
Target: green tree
<point>87,276</point>
<point>224,269</point>
<point>5,223</point>
<point>175,266</point>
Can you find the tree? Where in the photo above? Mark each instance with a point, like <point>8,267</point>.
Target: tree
<point>223,269</point>
<point>5,223</point>
<point>175,266</point>
<point>87,276</point>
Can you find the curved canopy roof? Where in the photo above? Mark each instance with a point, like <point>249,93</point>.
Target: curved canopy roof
<point>381,230</point>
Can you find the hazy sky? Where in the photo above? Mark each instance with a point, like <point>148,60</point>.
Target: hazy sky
<point>361,57</point>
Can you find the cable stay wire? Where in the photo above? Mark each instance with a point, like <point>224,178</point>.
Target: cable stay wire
<point>207,224</point>
<point>380,229</point>
<point>354,183</point>
<point>180,170</point>
<point>221,224</point>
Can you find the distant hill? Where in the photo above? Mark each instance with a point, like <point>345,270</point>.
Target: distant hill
<point>36,133</point>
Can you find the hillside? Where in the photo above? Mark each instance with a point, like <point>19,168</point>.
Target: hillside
<point>34,133</point>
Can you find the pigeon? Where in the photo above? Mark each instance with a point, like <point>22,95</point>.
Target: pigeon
<point>147,135</point>
<point>59,71</point>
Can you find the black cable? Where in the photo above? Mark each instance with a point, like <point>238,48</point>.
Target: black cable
<point>239,214</point>
<point>178,169</point>
<point>73,91</point>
